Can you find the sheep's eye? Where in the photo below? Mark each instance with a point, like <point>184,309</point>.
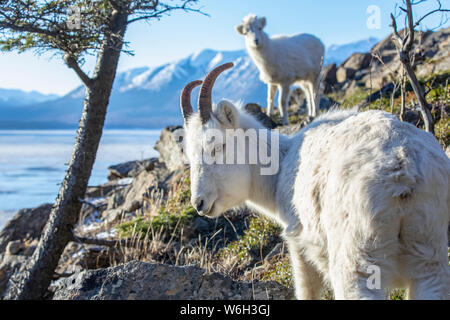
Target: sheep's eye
<point>217,148</point>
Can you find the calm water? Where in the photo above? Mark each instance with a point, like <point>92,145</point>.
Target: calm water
<point>33,163</point>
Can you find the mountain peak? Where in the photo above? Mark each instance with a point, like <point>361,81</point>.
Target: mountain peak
<point>149,96</point>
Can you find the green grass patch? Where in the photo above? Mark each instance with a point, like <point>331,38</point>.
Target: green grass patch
<point>397,294</point>
<point>260,233</point>
<point>174,214</point>
<point>281,272</point>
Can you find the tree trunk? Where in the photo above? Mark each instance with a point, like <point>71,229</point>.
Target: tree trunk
<point>33,280</point>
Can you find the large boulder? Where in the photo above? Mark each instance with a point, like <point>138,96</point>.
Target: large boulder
<point>256,111</point>
<point>329,78</point>
<point>348,69</point>
<point>169,147</point>
<point>131,197</point>
<point>27,223</point>
<point>144,281</point>
<point>130,169</point>
<point>435,53</point>
<point>431,57</point>
<point>344,74</point>
<point>9,264</point>
<point>358,61</point>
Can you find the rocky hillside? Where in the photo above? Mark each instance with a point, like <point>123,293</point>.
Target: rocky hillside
<point>372,80</point>
<point>381,65</point>
<point>139,238</point>
<point>139,230</point>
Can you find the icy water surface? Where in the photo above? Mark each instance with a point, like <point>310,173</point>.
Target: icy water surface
<point>33,162</point>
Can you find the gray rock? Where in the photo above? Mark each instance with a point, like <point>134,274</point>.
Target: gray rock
<point>117,198</point>
<point>103,190</point>
<point>112,216</point>
<point>134,205</point>
<point>344,74</point>
<point>326,103</point>
<point>357,61</point>
<point>329,78</point>
<point>134,193</point>
<point>293,128</point>
<point>130,169</point>
<point>431,57</point>
<point>348,69</point>
<point>131,197</point>
<point>256,111</point>
<point>144,281</point>
<point>26,223</point>
<point>14,247</point>
<point>201,225</point>
<point>8,266</point>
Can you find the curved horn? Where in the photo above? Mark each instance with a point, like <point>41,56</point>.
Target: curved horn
<point>204,100</point>
<point>185,99</point>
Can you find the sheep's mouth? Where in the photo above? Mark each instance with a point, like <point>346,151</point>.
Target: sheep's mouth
<point>210,211</point>
<point>211,208</point>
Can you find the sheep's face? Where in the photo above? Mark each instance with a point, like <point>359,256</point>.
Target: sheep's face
<point>252,28</point>
<point>217,184</point>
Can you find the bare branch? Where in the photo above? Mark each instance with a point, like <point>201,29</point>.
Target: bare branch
<point>73,64</point>
<point>156,14</point>
<point>127,243</point>
<point>396,35</point>
<point>439,9</point>
<point>404,46</point>
<point>411,31</point>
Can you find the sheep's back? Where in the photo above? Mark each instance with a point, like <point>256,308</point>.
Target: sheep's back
<point>354,166</point>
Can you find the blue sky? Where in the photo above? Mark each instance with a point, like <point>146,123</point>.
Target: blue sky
<point>178,35</point>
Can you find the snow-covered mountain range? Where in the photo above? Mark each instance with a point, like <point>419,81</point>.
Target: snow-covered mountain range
<point>19,97</point>
<point>148,97</point>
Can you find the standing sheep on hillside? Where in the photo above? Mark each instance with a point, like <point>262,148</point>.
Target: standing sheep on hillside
<point>363,198</point>
<point>283,61</point>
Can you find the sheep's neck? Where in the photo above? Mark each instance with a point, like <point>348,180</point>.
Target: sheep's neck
<point>262,54</point>
<point>263,193</point>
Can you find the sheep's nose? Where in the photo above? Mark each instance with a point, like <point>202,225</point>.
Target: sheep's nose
<point>198,205</point>
<point>256,41</point>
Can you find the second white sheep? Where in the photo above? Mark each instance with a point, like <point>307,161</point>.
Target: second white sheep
<point>283,61</point>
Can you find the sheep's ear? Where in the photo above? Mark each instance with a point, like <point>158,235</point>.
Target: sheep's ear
<point>263,22</point>
<point>240,29</point>
<point>227,114</point>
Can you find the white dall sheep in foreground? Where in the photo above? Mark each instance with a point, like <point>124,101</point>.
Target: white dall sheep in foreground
<point>356,193</point>
<point>283,61</point>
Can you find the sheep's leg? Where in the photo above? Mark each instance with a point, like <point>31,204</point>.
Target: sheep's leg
<point>431,283</point>
<point>308,281</point>
<point>351,281</point>
<point>271,92</point>
<point>283,100</point>
<point>313,109</point>
<point>308,98</point>
<point>361,263</point>
<point>424,255</point>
